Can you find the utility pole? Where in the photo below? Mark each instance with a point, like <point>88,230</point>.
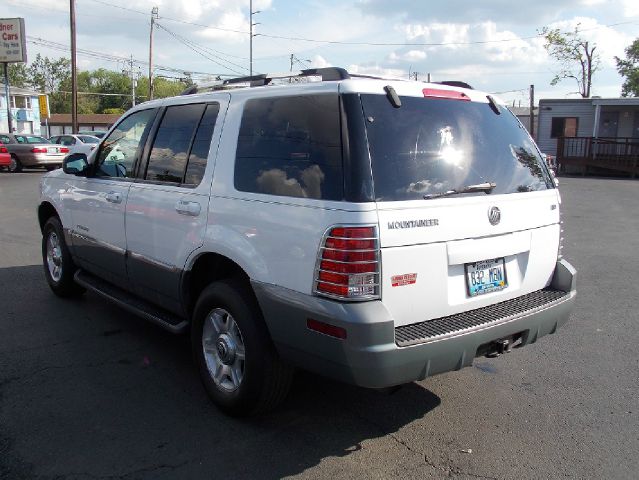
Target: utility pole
<point>532,111</point>
<point>154,16</point>
<point>74,73</point>
<point>415,75</point>
<point>134,79</point>
<point>428,77</point>
<point>8,96</point>
<point>251,25</point>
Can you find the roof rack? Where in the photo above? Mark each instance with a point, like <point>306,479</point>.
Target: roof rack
<point>328,74</point>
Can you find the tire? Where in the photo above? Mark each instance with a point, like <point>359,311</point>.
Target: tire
<point>50,168</point>
<point>15,166</point>
<point>228,325</point>
<point>56,259</point>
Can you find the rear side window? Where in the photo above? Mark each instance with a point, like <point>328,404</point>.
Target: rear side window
<point>291,146</point>
<point>182,143</point>
<point>430,146</point>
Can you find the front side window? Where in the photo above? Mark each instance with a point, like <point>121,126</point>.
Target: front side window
<point>120,150</point>
<point>291,146</point>
<point>430,146</point>
<point>563,127</point>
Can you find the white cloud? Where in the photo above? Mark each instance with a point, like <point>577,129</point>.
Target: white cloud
<point>317,61</point>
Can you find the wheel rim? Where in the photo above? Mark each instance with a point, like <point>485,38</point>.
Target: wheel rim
<point>54,257</point>
<point>13,165</point>
<point>223,348</point>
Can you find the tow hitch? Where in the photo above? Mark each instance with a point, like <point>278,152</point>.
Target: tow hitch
<point>501,346</point>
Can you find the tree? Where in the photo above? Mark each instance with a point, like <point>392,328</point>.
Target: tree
<point>629,69</point>
<point>18,75</point>
<point>576,56</point>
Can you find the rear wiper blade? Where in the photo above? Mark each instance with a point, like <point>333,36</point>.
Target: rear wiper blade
<point>480,187</point>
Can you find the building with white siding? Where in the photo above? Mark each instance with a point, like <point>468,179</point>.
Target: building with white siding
<point>596,133</point>
<point>25,110</point>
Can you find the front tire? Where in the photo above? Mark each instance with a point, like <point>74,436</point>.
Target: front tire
<point>236,359</point>
<point>58,264</point>
<point>15,166</point>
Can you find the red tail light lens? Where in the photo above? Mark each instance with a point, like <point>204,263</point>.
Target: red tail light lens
<point>348,264</point>
<point>64,150</point>
<point>450,94</point>
<point>4,150</point>
<point>39,150</point>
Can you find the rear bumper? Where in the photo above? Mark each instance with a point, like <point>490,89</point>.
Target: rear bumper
<point>370,356</point>
<point>35,159</point>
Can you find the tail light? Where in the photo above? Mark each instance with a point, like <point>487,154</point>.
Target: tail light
<point>348,264</point>
<point>3,149</point>
<point>64,150</point>
<point>39,150</point>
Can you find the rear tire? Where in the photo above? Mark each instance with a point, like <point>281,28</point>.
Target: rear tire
<point>49,168</point>
<point>232,349</point>
<point>59,268</point>
<point>15,166</point>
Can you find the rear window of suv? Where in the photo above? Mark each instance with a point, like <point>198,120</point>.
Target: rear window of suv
<point>430,146</point>
<point>291,146</point>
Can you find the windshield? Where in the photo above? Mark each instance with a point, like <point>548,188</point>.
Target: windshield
<point>88,139</point>
<point>430,146</point>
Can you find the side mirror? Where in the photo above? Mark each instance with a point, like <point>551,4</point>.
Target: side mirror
<point>75,164</point>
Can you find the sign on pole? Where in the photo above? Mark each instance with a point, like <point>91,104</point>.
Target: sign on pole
<point>43,103</point>
<point>13,40</point>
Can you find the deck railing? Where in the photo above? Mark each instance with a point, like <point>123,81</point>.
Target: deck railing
<point>617,154</point>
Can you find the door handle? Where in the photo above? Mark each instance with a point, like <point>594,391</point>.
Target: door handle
<point>188,208</point>
<point>114,197</point>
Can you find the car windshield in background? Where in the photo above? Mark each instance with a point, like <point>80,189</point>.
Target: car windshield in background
<point>431,146</point>
<point>88,139</point>
<point>31,139</point>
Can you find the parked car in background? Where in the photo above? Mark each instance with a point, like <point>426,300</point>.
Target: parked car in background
<point>76,143</point>
<point>5,157</point>
<point>95,133</point>
<point>32,151</point>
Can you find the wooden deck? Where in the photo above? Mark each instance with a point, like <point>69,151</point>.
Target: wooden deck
<point>615,155</point>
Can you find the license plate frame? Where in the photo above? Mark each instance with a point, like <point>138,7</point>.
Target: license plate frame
<point>52,150</point>
<point>493,269</point>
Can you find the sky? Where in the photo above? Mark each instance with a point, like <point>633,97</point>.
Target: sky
<point>494,45</point>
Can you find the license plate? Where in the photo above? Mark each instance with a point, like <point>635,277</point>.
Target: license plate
<point>485,276</point>
<point>52,150</point>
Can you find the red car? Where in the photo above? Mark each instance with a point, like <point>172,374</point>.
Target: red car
<point>5,157</point>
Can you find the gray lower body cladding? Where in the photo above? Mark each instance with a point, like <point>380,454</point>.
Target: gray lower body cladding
<point>377,355</point>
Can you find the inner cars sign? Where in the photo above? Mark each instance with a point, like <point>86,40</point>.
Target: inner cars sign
<point>13,40</point>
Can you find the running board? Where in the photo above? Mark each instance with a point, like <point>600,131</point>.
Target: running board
<point>163,318</point>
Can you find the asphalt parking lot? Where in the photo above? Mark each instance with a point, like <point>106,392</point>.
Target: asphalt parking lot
<point>90,391</point>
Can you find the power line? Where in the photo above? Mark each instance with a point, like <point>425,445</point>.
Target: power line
<point>112,58</point>
<point>197,49</point>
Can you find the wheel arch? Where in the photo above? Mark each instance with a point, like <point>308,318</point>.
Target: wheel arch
<point>206,268</point>
<point>46,210</point>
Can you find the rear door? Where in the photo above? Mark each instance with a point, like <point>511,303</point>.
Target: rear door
<point>442,252</point>
<point>167,206</point>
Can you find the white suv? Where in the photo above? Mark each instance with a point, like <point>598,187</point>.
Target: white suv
<point>375,231</point>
